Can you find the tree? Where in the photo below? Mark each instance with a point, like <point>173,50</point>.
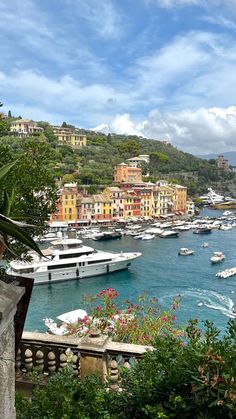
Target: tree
<point>32,178</point>
<point>4,127</point>
<point>8,227</point>
<point>92,189</point>
<point>68,178</point>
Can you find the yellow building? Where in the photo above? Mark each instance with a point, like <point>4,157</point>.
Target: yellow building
<point>69,196</point>
<point>69,137</point>
<point>25,127</point>
<point>163,197</point>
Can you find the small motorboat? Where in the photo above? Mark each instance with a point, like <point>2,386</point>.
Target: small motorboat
<point>205,244</point>
<point>148,236</point>
<point>169,234</point>
<point>202,230</point>
<point>184,251</point>
<point>65,319</point>
<point>217,257</point>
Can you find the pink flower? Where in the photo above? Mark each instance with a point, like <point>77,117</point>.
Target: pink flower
<point>173,317</point>
<point>174,306</point>
<point>164,319</point>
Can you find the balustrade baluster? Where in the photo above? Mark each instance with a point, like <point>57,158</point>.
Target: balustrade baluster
<point>63,360</point>
<point>75,365</point>
<point>28,361</point>
<point>51,362</point>
<point>114,374</point>
<point>40,360</point>
<point>126,363</point>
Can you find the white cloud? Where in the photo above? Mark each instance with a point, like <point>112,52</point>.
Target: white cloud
<point>63,96</point>
<point>176,3</point>
<point>102,16</point>
<point>198,132</point>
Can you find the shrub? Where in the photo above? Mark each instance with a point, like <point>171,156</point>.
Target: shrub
<point>132,323</point>
<point>188,377</point>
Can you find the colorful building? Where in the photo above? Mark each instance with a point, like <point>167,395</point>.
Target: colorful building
<point>180,198</point>
<point>67,204</point>
<point>163,197</point>
<point>124,173</point>
<point>115,194</point>
<point>132,205</point>
<point>95,208</point>
<point>69,136</point>
<point>136,161</point>
<point>24,128</point>
<point>146,200</point>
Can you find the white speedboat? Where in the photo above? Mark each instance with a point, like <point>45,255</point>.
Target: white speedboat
<point>148,236</point>
<point>65,319</point>
<point>69,259</point>
<point>204,244</point>
<point>184,251</point>
<point>217,257</point>
<point>169,234</point>
<point>226,227</point>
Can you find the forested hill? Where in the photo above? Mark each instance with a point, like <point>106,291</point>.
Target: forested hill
<point>94,164</point>
<point>105,151</point>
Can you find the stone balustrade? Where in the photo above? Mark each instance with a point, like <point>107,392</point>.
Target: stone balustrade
<point>94,353</point>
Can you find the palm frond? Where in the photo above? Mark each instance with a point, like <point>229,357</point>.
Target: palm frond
<point>10,228</point>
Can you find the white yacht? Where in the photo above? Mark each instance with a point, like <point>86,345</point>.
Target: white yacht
<point>70,259</point>
<point>214,198</point>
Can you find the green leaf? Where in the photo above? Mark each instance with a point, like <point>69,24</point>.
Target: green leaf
<point>5,169</point>
<point>5,207</point>
<point>13,230</point>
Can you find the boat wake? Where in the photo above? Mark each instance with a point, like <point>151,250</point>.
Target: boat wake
<point>213,300</point>
<point>210,299</point>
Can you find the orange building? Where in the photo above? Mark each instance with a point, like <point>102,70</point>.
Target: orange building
<point>124,173</point>
<point>180,198</point>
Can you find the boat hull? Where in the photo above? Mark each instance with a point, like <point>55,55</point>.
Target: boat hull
<point>80,272</point>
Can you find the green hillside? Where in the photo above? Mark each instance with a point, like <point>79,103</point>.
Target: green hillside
<point>94,165</point>
<point>105,151</point>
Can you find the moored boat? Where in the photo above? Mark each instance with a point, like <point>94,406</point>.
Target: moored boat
<point>202,230</point>
<point>217,257</point>
<point>227,273</point>
<point>68,259</point>
<point>108,235</point>
<point>169,234</point>
<point>184,251</point>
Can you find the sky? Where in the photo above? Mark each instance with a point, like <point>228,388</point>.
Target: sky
<point>161,69</point>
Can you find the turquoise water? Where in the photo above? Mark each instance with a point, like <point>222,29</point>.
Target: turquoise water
<point>160,272</point>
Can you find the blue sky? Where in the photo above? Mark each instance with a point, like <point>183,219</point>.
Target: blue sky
<point>163,69</point>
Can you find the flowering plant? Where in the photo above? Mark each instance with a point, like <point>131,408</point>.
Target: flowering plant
<point>139,324</point>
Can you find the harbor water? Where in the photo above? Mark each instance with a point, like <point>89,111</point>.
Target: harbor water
<point>160,272</point>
